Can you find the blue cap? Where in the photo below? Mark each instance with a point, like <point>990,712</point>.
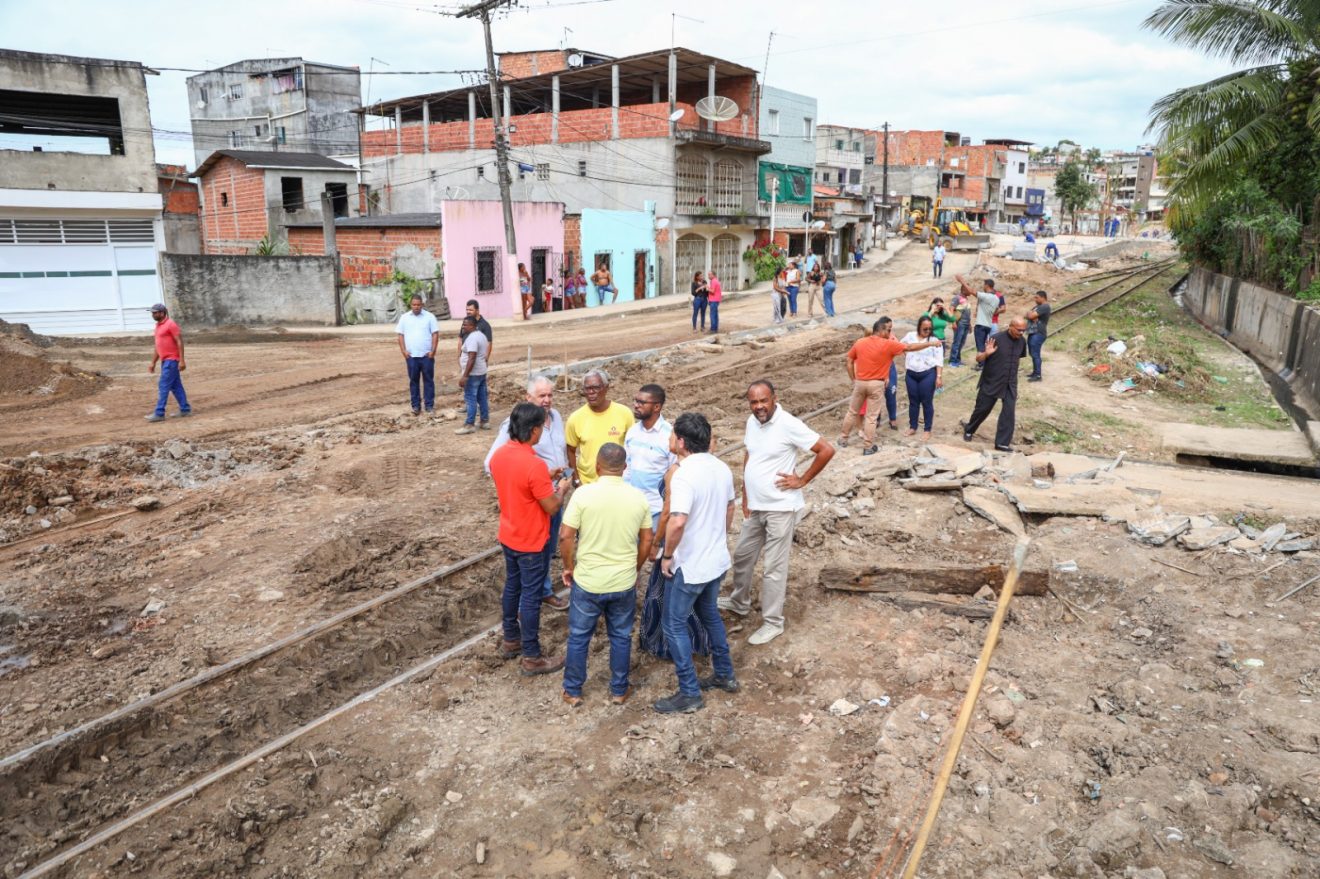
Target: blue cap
<point>159,306</point>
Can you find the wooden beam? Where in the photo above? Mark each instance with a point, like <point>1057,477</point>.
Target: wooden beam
<point>929,579</point>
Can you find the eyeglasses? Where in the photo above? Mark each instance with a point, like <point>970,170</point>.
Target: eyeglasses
<point>593,389</point>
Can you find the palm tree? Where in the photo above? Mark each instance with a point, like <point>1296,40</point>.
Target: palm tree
<point>1233,121</point>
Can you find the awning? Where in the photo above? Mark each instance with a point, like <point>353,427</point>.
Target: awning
<point>794,183</point>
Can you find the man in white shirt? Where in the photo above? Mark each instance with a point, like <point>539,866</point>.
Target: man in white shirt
<point>647,443</point>
<point>419,336</point>
<point>550,449</point>
<point>472,367</point>
<point>696,556</point>
<point>772,505</point>
<point>937,255</point>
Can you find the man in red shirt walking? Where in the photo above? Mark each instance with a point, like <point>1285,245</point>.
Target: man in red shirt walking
<point>169,354</point>
<point>527,501</point>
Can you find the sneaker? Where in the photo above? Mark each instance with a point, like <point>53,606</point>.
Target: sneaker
<point>540,665</point>
<point>417,412</point>
<point>554,602</point>
<point>679,704</point>
<point>1003,448</point>
<point>510,649</point>
<point>466,429</point>
<point>485,425</point>
<point>765,634</point>
<point>842,442</point>
<point>726,603</point>
<point>620,698</point>
<point>430,412</point>
<point>1033,378</point>
<point>870,450</point>
<point>185,414</point>
<point>715,682</point>
<point>154,417</point>
<point>570,700</point>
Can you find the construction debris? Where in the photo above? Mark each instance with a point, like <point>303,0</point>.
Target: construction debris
<point>929,579</point>
<point>994,506</point>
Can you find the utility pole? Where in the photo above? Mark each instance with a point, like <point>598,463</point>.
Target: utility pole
<point>884,192</point>
<point>774,195</point>
<point>482,10</point>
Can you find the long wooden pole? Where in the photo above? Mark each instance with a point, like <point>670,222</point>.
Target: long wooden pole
<point>965,715</point>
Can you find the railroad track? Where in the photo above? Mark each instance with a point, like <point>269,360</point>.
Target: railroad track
<point>83,787</point>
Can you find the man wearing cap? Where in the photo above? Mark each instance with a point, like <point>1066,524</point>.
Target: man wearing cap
<point>169,354</point>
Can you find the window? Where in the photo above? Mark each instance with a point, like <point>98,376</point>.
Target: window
<point>692,183</point>
<point>1022,167</point>
<point>481,172</point>
<point>857,146</point>
<point>806,128</point>
<point>838,145</point>
<point>259,130</point>
<point>201,94</point>
<point>582,167</point>
<point>728,186</point>
<point>855,176</point>
<point>49,122</point>
<point>338,198</point>
<point>224,199</point>
<point>772,123</point>
<point>235,91</point>
<point>279,132</point>
<point>291,189</point>
<point>543,171</point>
<point>488,276</point>
<point>235,139</point>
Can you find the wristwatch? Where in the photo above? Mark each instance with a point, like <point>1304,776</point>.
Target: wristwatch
<point>666,558</point>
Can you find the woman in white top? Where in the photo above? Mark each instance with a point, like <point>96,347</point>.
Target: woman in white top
<point>925,373</point>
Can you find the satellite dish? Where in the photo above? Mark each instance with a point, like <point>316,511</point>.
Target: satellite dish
<point>717,108</point>
<point>677,115</point>
<point>819,224</point>
<point>662,223</point>
<point>201,105</point>
<point>575,60</point>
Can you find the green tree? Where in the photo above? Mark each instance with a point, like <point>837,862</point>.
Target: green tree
<point>1244,118</point>
<point>1074,190</point>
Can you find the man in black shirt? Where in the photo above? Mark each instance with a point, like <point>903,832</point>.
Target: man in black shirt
<point>998,383</point>
<point>474,312</point>
<point>1036,332</point>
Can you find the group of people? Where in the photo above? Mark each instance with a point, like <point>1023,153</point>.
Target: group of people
<point>707,294</point>
<point>571,293</point>
<point>614,488</point>
<point>871,366</point>
<point>788,282</point>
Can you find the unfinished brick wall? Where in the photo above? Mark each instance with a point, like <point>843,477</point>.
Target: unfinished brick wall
<point>913,147</point>
<point>180,194</point>
<point>234,215</point>
<point>741,89</point>
<point>572,241</point>
<point>366,253</point>
<point>521,64</point>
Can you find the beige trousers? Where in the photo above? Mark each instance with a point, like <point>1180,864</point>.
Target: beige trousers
<point>767,536</point>
<point>873,394</point>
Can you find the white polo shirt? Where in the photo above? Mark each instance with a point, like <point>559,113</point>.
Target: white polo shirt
<point>772,448</point>
<point>416,330</point>
<point>702,489</point>
<point>649,459</point>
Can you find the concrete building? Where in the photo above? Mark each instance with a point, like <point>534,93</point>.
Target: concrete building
<point>841,157</point>
<point>275,104</point>
<point>80,208</point>
<point>788,124</point>
<point>1012,206</point>
<point>594,137</point>
<point>250,196</point>
<point>624,241</point>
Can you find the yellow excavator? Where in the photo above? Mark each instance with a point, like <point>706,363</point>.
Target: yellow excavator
<point>950,227</point>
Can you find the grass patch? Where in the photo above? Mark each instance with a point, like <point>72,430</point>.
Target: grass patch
<point>1157,330</point>
<point>1078,431</point>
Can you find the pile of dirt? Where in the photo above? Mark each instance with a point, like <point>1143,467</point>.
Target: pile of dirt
<point>29,377</point>
<point>24,333</point>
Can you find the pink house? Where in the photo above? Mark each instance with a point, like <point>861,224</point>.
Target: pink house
<point>472,233</point>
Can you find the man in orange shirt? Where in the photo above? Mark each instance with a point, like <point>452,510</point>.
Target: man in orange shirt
<point>868,362</point>
<point>169,354</point>
<point>527,501</point>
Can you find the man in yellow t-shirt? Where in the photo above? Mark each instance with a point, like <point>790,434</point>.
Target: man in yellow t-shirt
<point>603,541</point>
<point>594,424</point>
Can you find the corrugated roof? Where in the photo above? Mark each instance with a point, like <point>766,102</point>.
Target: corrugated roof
<point>274,159</point>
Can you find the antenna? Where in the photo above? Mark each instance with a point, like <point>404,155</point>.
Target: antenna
<point>673,24</point>
<point>765,69</point>
<point>716,108</point>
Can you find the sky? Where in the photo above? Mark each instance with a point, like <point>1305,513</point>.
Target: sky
<point>1083,71</point>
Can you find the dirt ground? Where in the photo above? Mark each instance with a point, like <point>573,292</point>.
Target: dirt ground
<point>303,487</point>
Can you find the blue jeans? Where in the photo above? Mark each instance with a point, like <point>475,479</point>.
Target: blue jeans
<point>681,600</point>
<point>474,395</point>
<point>827,296</point>
<point>937,267</point>
<point>921,393</point>
<point>980,334</point>
<point>1034,343</point>
<point>549,552</point>
<point>792,300</point>
<point>601,291</point>
<point>584,609</point>
<point>891,395</point>
<point>714,317</point>
<point>699,308</point>
<point>959,342</point>
<point>521,601</point>
<point>422,368</point>
<point>170,383</point>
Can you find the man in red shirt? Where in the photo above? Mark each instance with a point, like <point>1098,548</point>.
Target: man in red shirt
<point>869,362</point>
<point>169,354</point>
<point>527,501</point>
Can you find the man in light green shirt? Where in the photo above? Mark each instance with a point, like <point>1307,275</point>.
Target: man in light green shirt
<point>604,539</point>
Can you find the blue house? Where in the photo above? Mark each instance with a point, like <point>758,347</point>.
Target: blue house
<point>625,242</point>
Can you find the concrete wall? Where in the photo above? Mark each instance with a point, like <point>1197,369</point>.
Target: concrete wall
<point>621,234</point>
<point>1279,331</point>
<point>134,171</point>
<point>247,290</point>
<point>467,226</point>
<point>791,144</point>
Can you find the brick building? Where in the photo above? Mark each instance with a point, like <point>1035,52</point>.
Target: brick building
<point>182,204</point>
<point>250,196</point>
<point>370,246</point>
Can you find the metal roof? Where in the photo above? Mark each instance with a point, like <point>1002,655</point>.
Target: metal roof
<point>274,159</point>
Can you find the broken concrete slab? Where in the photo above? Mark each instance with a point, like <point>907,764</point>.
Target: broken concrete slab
<point>929,579</point>
<point>1068,500</point>
<point>1158,528</point>
<point>1206,536</point>
<point>1272,535</point>
<point>1245,544</point>
<point>1274,446</point>
<point>1298,545</point>
<point>994,506</point>
<point>933,483</point>
<point>1065,465</point>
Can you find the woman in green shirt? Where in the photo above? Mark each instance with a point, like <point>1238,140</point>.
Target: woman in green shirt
<point>940,317</point>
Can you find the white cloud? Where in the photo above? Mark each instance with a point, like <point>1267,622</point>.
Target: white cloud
<point>1083,71</point>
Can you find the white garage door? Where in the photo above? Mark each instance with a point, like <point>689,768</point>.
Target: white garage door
<point>67,277</point>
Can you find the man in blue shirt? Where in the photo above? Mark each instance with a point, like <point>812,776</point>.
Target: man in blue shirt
<point>647,444</point>
<point>419,336</point>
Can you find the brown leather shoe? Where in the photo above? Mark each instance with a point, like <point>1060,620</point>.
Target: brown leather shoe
<point>510,649</point>
<point>621,700</point>
<point>541,665</point>
<point>570,700</point>
<point>554,602</point>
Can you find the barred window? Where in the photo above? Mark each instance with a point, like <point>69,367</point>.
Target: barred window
<point>488,270</point>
